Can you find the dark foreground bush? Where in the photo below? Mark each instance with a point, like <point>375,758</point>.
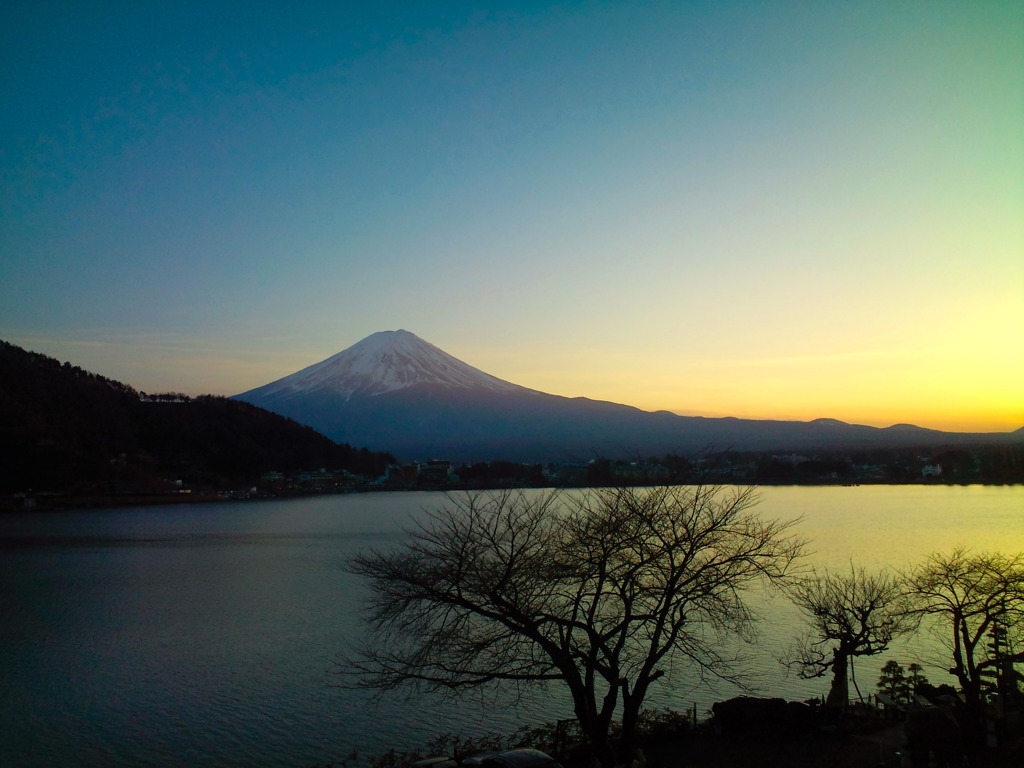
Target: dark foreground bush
<point>561,740</point>
<point>748,718</point>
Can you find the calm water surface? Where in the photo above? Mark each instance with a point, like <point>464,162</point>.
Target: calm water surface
<point>208,634</point>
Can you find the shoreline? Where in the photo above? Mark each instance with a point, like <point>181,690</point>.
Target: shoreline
<point>56,501</point>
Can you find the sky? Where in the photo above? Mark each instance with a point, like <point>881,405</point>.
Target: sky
<point>759,209</point>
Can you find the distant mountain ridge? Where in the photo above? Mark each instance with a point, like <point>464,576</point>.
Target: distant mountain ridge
<point>394,391</point>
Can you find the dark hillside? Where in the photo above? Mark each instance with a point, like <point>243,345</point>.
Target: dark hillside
<point>59,425</point>
<point>216,437</point>
<point>63,429</point>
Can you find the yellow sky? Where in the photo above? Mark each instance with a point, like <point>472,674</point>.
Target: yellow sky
<point>776,210</point>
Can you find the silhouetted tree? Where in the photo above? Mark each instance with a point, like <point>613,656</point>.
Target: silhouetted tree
<point>679,467</point>
<point>854,614</point>
<point>916,679</point>
<point>968,600</point>
<point>599,472</point>
<point>893,682</point>
<point>603,592</point>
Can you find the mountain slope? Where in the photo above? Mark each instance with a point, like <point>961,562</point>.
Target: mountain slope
<point>393,391</point>
<point>388,361</point>
<point>65,429</point>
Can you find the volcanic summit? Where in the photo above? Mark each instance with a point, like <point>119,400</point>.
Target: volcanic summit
<point>395,392</point>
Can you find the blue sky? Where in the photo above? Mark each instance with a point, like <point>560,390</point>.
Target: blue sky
<point>776,210</point>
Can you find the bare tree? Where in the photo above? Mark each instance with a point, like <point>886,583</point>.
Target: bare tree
<point>601,592</point>
<point>975,602</point>
<point>854,614</point>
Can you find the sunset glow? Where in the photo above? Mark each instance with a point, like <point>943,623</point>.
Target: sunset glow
<point>781,211</point>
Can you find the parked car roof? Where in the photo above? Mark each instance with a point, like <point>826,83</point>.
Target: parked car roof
<point>435,762</point>
<point>512,758</point>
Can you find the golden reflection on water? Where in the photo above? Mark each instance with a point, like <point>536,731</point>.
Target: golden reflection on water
<point>226,619</point>
<point>879,526</point>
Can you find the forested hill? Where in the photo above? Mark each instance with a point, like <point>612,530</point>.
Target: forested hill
<point>64,429</point>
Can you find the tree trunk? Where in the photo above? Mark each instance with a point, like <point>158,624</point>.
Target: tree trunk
<point>972,720</point>
<point>839,693</point>
<point>595,724</point>
<point>601,745</point>
<point>630,715</point>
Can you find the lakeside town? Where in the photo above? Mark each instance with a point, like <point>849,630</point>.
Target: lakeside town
<point>961,466</point>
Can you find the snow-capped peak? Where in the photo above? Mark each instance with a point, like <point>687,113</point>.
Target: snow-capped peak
<point>385,362</point>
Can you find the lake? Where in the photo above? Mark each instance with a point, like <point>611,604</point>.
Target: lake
<point>209,634</point>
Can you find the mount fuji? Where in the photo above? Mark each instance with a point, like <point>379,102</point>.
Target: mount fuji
<point>382,363</point>
<point>395,392</point>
